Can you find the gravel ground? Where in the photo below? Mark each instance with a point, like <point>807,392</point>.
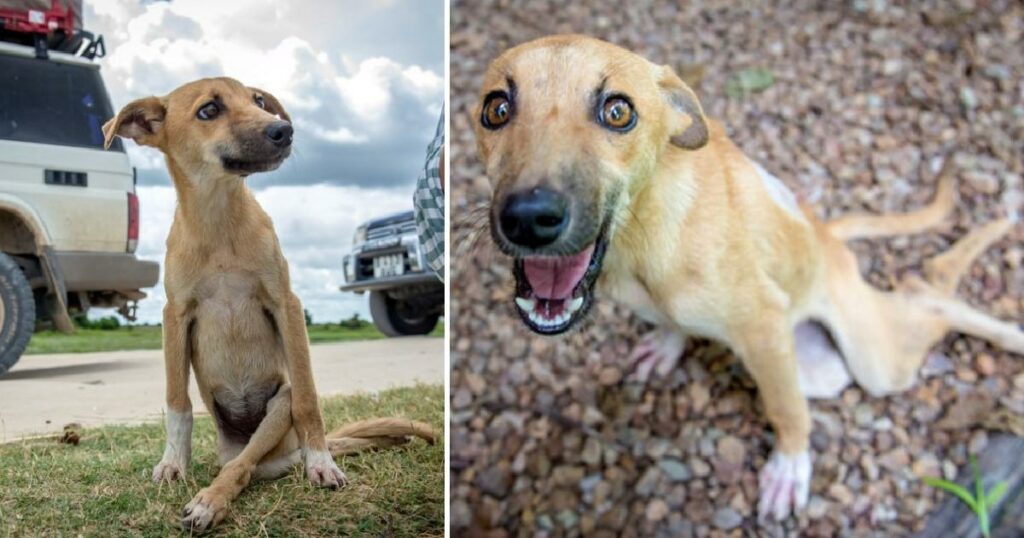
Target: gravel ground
<point>550,435</point>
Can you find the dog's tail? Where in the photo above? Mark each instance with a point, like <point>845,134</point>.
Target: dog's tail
<point>377,433</point>
<point>868,226</point>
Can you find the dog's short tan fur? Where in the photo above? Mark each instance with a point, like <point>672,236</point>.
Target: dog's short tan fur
<point>701,243</point>
<point>230,311</point>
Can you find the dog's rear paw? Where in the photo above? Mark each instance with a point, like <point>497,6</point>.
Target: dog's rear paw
<point>659,351</point>
<point>168,471</point>
<point>202,513</point>
<point>322,471</point>
<point>785,484</point>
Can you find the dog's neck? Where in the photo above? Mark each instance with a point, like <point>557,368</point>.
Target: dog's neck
<point>212,208</point>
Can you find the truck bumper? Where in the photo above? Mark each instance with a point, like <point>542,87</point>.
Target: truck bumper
<point>393,282</point>
<point>102,271</point>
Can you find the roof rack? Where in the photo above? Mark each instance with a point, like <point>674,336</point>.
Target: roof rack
<point>49,25</point>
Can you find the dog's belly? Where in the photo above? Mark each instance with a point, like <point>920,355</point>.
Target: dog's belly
<point>236,351</point>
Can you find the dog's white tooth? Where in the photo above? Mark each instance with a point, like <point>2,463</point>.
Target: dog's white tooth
<point>576,304</point>
<point>526,304</point>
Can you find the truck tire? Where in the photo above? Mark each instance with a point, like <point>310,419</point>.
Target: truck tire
<point>389,317</point>
<point>17,312</point>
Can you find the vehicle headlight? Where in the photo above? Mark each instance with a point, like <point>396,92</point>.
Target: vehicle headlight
<point>350,269</point>
<point>360,236</point>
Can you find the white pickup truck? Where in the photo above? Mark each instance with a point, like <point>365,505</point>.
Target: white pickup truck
<point>69,216</point>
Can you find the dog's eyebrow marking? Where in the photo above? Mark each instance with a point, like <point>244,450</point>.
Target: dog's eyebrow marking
<point>600,88</point>
<point>512,90</point>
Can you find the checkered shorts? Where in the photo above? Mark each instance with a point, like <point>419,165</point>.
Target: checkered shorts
<point>428,201</point>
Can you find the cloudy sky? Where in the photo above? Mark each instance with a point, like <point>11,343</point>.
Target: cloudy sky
<point>362,80</point>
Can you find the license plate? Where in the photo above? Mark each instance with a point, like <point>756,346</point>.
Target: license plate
<point>389,265</point>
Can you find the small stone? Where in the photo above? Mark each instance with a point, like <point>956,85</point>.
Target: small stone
<point>462,398</point>
<point>648,481</point>
<point>726,518</point>
<point>841,494</point>
<point>936,364</point>
<point>863,415</point>
<point>732,450</point>
<point>567,518</point>
<point>676,470</point>
<point>609,376</point>
<point>494,481</point>
<point>656,510</point>
<point>968,98</point>
<point>985,364</point>
<point>699,467</point>
<point>699,396</point>
<point>591,454</point>
<point>817,507</point>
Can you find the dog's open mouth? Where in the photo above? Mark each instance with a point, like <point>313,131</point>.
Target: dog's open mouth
<point>241,166</point>
<point>554,292</point>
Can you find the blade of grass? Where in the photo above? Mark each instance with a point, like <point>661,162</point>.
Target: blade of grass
<point>979,489</point>
<point>995,494</point>
<point>954,488</point>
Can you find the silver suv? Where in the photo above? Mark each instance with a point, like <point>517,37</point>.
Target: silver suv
<point>406,297</point>
<point>69,216</point>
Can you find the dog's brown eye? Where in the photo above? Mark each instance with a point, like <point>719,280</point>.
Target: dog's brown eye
<point>260,102</point>
<point>617,114</point>
<point>497,111</point>
<point>208,111</point>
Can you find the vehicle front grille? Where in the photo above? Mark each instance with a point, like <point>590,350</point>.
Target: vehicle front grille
<point>401,228</point>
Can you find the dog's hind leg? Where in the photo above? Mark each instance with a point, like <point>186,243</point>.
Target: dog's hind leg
<point>209,506</point>
<point>944,271</point>
<point>866,226</point>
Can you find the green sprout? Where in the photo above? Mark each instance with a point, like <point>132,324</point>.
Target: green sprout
<point>980,502</point>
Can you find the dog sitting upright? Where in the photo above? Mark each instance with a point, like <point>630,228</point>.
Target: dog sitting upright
<point>230,311</point>
<point>606,172</point>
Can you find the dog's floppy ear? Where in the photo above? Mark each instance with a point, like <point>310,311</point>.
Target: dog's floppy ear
<point>272,104</point>
<point>688,127</point>
<point>141,120</point>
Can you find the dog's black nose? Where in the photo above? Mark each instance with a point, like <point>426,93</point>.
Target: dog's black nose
<point>280,133</point>
<point>534,218</point>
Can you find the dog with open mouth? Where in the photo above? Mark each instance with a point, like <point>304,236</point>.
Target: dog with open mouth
<point>608,178</point>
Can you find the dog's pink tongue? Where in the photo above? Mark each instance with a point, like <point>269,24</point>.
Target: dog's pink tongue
<point>555,278</point>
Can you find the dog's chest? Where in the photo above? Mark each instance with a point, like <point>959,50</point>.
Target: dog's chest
<point>232,323</point>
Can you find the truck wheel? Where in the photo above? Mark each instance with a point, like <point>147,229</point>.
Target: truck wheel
<point>394,319</point>
<point>17,312</point>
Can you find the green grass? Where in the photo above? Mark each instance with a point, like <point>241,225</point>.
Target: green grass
<point>102,487</point>
<point>148,337</point>
<point>980,502</point>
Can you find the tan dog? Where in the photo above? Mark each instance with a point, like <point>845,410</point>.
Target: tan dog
<point>605,171</point>
<point>230,310</point>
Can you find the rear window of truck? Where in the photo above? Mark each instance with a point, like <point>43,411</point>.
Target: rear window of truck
<point>50,102</point>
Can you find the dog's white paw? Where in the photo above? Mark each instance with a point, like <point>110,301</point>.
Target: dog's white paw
<point>659,351</point>
<point>785,484</point>
<point>202,512</point>
<point>322,471</point>
<point>168,471</point>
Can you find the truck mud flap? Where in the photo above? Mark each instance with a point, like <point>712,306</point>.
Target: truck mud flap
<point>55,287</point>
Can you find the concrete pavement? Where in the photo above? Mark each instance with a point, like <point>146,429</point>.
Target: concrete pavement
<point>42,393</point>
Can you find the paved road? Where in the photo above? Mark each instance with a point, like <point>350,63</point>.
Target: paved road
<point>42,393</point>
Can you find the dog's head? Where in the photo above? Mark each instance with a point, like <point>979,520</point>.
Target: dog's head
<point>210,127</point>
<point>570,127</point>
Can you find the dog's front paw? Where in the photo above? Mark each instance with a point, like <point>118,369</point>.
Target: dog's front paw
<point>168,471</point>
<point>322,471</point>
<point>785,484</point>
<point>659,351</point>
<point>203,512</point>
